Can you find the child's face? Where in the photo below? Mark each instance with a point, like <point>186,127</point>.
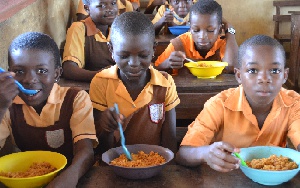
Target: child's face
<point>103,11</point>
<point>35,70</point>
<point>262,74</point>
<point>205,30</point>
<point>181,7</point>
<point>133,55</point>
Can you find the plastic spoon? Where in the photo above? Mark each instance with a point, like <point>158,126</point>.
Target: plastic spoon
<point>176,16</point>
<point>191,61</point>
<point>242,161</point>
<point>127,153</point>
<point>26,91</point>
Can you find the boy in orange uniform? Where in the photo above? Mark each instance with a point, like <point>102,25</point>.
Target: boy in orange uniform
<point>258,112</point>
<point>58,119</point>
<point>146,97</point>
<point>86,51</point>
<point>177,8</point>
<point>203,42</point>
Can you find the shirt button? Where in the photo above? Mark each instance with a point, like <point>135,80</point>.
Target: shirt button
<point>133,106</point>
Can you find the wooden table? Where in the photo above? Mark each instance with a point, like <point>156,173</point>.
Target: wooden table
<point>176,176</point>
<point>295,51</point>
<point>193,92</point>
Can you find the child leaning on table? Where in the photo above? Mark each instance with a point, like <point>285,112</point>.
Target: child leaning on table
<point>86,51</point>
<point>177,8</point>
<point>204,41</point>
<point>58,119</point>
<point>146,97</point>
<point>258,112</point>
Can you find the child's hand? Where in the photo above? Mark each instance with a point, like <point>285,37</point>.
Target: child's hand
<point>8,89</point>
<point>219,157</point>
<point>168,16</point>
<point>110,119</point>
<point>176,59</point>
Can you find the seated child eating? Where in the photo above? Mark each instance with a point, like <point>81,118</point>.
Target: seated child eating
<point>86,51</point>
<point>58,119</point>
<point>177,13</point>
<point>258,112</point>
<point>146,97</point>
<point>203,42</point>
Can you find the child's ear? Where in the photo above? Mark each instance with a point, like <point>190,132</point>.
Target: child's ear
<point>58,73</point>
<point>110,48</point>
<point>237,74</point>
<point>286,74</point>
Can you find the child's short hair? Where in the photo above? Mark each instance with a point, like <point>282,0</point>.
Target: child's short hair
<point>133,23</point>
<point>35,41</point>
<point>207,7</point>
<point>256,41</point>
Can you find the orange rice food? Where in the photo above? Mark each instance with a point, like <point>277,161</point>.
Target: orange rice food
<point>203,64</point>
<point>141,159</point>
<point>36,169</point>
<point>273,163</point>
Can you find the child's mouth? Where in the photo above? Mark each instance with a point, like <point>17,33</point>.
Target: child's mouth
<point>31,95</point>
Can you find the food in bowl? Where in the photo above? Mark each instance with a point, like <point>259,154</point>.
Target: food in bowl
<point>267,177</point>
<point>138,172</point>
<point>36,169</point>
<point>206,69</point>
<point>273,163</point>
<point>141,159</point>
<point>21,161</point>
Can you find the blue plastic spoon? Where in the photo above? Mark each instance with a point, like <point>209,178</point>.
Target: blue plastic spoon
<point>127,153</point>
<point>176,16</point>
<point>242,161</point>
<point>26,91</point>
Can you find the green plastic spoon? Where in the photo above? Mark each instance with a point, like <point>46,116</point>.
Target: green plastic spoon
<point>242,161</point>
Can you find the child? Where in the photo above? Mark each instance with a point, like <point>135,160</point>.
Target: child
<point>259,112</point>
<point>146,97</point>
<point>123,6</point>
<point>86,51</point>
<point>177,8</point>
<point>56,118</point>
<point>203,42</point>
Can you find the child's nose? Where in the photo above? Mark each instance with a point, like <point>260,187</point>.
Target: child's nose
<point>29,78</point>
<point>202,34</point>
<point>264,77</point>
<point>133,61</point>
<point>182,4</point>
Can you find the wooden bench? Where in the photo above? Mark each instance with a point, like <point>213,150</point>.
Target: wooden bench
<point>279,18</point>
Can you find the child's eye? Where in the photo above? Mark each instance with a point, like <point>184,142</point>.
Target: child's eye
<point>252,71</point>
<point>275,71</point>
<point>42,71</point>
<point>123,56</point>
<point>18,71</point>
<point>113,3</point>
<point>144,56</point>
<point>210,30</point>
<point>100,6</point>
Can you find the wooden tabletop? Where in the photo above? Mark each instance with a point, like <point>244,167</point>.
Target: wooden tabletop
<point>176,176</point>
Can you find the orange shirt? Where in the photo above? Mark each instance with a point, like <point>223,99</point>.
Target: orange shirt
<point>190,50</point>
<point>81,122</point>
<point>228,117</point>
<point>106,89</point>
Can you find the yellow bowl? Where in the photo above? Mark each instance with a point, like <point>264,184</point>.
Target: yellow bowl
<point>213,69</point>
<point>21,161</point>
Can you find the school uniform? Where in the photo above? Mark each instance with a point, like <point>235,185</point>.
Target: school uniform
<point>228,117</point>
<point>145,115</point>
<point>66,118</point>
<point>186,44</point>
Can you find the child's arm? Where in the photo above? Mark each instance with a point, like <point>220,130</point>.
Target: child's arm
<point>8,91</point>
<point>174,61</point>
<point>231,51</point>
<point>217,156</point>
<point>73,72</point>
<point>83,160</point>
<point>169,131</point>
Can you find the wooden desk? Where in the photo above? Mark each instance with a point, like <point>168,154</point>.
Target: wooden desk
<point>175,176</point>
<point>294,61</point>
<point>193,92</point>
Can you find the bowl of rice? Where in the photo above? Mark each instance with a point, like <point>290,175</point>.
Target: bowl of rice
<point>269,165</point>
<point>31,168</point>
<point>206,69</point>
<point>147,160</point>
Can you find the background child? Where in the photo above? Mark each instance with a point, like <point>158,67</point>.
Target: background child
<point>203,42</point>
<point>86,51</point>
<point>259,112</point>
<point>146,97</point>
<point>179,8</point>
<point>57,118</point>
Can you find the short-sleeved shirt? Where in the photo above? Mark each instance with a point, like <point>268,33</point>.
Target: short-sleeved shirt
<point>106,89</point>
<point>160,14</point>
<point>75,41</point>
<point>228,117</point>
<point>190,50</point>
<point>81,122</point>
